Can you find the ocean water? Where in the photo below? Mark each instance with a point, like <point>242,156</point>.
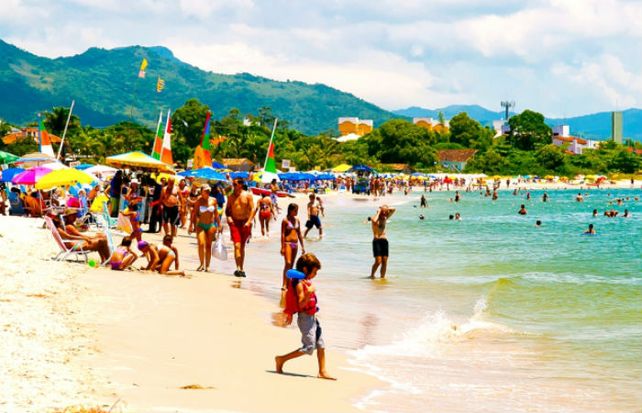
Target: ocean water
<point>486,314</point>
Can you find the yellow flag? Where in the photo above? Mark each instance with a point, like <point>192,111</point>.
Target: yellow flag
<point>160,85</point>
<point>143,66</point>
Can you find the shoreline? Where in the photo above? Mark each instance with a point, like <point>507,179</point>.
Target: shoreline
<point>134,339</point>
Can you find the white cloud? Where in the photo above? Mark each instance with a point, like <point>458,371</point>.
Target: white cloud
<point>392,53</point>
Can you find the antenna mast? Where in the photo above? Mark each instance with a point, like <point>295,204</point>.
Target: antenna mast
<point>507,105</point>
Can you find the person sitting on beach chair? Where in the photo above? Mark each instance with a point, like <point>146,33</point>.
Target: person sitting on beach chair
<point>68,233</point>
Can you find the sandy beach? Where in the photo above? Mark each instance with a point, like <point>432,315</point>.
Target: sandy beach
<point>76,335</point>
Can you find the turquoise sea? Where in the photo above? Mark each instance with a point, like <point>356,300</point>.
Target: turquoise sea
<point>486,314</point>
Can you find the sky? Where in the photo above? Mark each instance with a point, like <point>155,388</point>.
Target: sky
<point>559,57</point>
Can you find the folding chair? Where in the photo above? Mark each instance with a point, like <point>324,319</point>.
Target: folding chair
<point>76,249</point>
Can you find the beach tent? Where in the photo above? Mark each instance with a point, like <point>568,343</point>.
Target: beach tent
<point>344,167</point>
<point>8,174</point>
<point>30,176</point>
<point>6,157</point>
<point>64,177</point>
<point>137,160</point>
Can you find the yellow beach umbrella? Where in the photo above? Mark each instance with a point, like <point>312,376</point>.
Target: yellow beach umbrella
<point>137,160</point>
<point>341,168</point>
<point>64,177</point>
<point>162,175</point>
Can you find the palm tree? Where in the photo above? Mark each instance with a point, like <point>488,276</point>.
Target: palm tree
<point>56,119</point>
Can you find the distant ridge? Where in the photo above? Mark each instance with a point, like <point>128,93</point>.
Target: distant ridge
<point>594,126</point>
<point>105,86</point>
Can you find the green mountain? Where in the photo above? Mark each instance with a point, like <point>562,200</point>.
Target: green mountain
<point>594,126</point>
<point>106,89</point>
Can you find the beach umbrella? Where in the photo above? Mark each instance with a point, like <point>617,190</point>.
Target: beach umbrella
<point>217,165</point>
<point>6,157</point>
<point>137,160</point>
<point>64,177</point>
<point>54,166</point>
<point>34,159</point>
<point>240,174</point>
<point>208,174</point>
<point>8,174</point>
<point>344,167</point>
<point>362,168</point>
<point>101,169</point>
<point>164,175</point>
<point>30,176</point>
<point>83,166</point>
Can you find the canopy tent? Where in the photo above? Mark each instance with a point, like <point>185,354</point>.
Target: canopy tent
<point>6,157</point>
<point>64,177</point>
<point>8,174</point>
<point>30,176</point>
<point>344,167</point>
<point>137,160</point>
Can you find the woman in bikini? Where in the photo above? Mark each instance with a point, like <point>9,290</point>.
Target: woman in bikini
<point>290,239</point>
<point>207,222</point>
<point>266,211</point>
<point>183,194</point>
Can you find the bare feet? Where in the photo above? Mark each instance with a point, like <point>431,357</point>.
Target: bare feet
<point>279,364</point>
<point>324,375</point>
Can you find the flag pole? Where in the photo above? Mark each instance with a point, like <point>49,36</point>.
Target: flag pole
<point>64,133</point>
<point>158,125</point>
<point>267,155</point>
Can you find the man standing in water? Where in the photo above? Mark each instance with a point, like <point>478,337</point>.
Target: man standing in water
<point>313,217</point>
<point>239,212</point>
<point>379,242</point>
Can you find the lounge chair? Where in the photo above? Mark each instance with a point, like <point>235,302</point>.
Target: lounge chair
<point>75,251</point>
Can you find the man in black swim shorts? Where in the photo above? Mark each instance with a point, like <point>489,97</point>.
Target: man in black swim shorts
<point>379,242</point>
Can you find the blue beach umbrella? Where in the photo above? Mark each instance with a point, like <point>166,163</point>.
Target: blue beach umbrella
<point>240,174</point>
<point>218,165</point>
<point>8,174</point>
<point>83,166</point>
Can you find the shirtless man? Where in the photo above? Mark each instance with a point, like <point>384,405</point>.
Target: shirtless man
<point>239,211</point>
<point>313,217</point>
<point>379,242</point>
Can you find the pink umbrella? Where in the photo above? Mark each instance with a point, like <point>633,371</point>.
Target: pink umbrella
<point>30,176</point>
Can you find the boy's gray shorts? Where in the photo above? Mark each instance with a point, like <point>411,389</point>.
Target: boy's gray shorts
<point>311,336</point>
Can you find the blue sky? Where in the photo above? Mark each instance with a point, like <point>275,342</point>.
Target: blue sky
<point>559,57</point>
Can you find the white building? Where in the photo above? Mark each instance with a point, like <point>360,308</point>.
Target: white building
<point>575,145</point>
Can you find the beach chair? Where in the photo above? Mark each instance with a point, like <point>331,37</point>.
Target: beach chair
<point>105,220</point>
<point>76,250</point>
<point>16,206</point>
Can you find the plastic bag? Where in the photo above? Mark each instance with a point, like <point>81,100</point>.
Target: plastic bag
<point>219,251</point>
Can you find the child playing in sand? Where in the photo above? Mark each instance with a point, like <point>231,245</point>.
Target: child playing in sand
<point>123,257</point>
<point>151,253</point>
<point>306,309</point>
<point>168,254</point>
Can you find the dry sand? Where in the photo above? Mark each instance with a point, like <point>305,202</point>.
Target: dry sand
<point>76,335</point>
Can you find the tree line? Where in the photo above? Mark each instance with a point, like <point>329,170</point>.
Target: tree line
<point>526,149</point>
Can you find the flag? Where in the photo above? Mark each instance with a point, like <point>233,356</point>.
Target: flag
<point>202,154</point>
<point>158,139</point>
<point>270,162</point>
<point>143,66</point>
<point>160,85</point>
<point>43,138</point>
<point>166,151</point>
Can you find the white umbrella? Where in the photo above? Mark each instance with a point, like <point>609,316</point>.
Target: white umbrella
<point>55,166</point>
<point>101,169</point>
